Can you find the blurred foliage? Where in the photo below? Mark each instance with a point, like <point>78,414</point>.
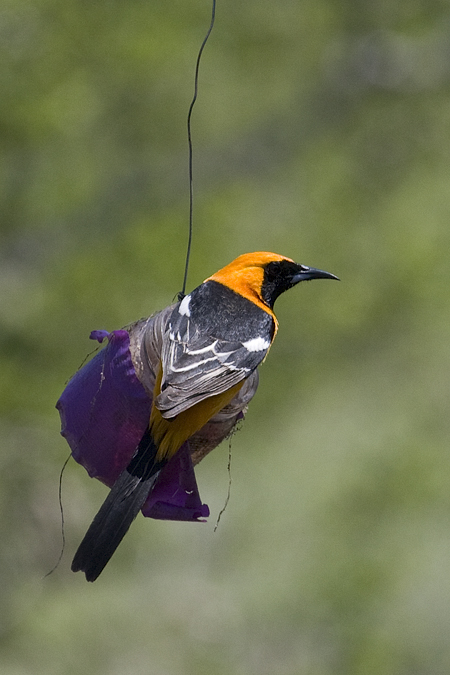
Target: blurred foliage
<point>321,132</point>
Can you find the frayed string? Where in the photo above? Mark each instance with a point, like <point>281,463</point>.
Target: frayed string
<point>61,509</point>
<point>229,486</point>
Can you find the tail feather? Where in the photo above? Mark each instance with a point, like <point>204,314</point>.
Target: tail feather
<point>120,508</point>
<point>124,501</point>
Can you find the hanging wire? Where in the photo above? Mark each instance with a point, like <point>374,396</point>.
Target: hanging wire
<point>189,130</point>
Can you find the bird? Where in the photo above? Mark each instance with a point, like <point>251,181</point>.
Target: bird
<point>213,340</point>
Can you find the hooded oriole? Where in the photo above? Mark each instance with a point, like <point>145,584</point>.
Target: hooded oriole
<point>211,343</point>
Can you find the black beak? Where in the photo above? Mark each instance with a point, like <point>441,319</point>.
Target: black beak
<point>305,273</point>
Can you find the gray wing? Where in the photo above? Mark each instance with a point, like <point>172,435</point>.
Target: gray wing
<point>196,366</point>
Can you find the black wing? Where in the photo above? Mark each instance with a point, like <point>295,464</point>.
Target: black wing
<point>196,364</point>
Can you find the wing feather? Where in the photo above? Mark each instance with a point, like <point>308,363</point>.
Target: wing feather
<point>198,365</point>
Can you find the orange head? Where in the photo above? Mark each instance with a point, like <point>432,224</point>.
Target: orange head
<point>262,277</point>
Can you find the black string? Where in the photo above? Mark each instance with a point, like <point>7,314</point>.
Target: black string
<point>223,509</point>
<point>191,189</point>
<point>63,534</point>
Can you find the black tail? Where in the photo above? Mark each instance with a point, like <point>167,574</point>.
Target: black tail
<point>120,508</point>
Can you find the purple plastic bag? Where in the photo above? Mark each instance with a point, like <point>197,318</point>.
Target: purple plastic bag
<point>104,413</point>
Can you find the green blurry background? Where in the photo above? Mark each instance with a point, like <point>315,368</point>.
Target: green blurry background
<point>322,133</point>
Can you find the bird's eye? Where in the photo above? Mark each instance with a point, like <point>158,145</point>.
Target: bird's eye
<point>272,271</point>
